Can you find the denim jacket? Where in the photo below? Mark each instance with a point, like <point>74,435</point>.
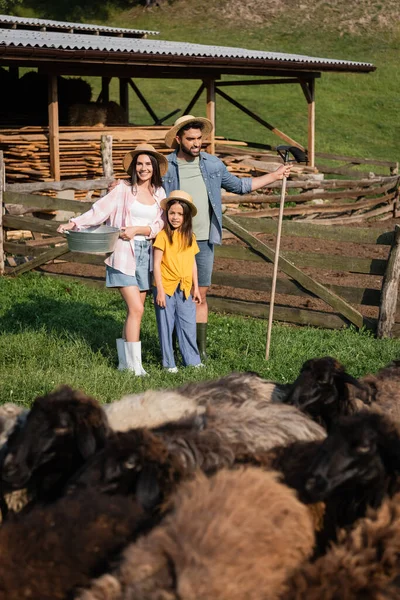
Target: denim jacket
<point>216,176</point>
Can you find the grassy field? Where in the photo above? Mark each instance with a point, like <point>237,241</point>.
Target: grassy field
<point>53,332</point>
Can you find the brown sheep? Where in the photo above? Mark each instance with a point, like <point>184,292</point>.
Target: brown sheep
<point>60,432</point>
<point>361,566</point>
<point>227,538</point>
<point>46,553</point>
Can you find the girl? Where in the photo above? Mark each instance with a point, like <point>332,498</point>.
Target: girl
<point>175,274</point>
<point>135,208</point>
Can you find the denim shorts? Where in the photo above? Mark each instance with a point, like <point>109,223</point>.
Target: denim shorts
<point>205,263</point>
<point>142,277</point>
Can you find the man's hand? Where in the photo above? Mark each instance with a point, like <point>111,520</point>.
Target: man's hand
<point>283,171</point>
<point>112,185</point>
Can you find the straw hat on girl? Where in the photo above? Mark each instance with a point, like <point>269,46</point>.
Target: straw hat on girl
<point>145,149</point>
<point>170,140</point>
<point>180,195</point>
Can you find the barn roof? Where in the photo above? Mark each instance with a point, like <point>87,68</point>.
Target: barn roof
<point>15,43</point>
<point>68,27</point>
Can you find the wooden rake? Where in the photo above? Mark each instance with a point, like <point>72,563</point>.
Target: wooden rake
<point>298,156</point>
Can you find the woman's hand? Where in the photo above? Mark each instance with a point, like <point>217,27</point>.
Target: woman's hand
<point>65,227</point>
<point>128,233</point>
<point>283,171</point>
<point>196,296</point>
<point>160,299</point>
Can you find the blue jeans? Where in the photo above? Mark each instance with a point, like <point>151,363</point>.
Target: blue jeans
<point>180,312</point>
<point>205,263</point>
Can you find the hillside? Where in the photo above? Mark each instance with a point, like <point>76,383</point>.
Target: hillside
<point>356,114</point>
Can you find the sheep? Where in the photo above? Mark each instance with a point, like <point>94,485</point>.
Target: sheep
<point>9,414</point>
<point>325,391</point>
<point>151,409</point>
<point>227,537</point>
<point>155,407</point>
<point>49,551</point>
<point>135,463</point>
<point>61,431</point>
<point>364,564</point>
<point>321,391</point>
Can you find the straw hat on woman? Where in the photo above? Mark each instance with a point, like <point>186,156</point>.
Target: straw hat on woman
<point>136,210</point>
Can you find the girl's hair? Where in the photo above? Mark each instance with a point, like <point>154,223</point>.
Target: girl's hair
<point>186,229</point>
<point>156,176</point>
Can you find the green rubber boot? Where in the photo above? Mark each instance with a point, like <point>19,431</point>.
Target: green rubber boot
<point>202,340</point>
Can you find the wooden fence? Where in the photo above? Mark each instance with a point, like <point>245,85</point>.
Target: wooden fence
<point>333,276</point>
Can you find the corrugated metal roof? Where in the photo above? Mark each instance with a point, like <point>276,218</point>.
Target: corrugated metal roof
<point>136,46</point>
<point>21,22</point>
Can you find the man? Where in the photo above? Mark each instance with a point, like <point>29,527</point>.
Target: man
<point>202,175</point>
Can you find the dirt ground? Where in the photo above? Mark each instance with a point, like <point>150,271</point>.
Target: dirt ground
<point>258,269</point>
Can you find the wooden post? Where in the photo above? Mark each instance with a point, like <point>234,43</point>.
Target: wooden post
<point>105,89</point>
<point>308,88</point>
<point>2,185</point>
<point>390,286</point>
<point>54,136</point>
<point>311,124</point>
<point>124,95</point>
<point>210,86</point>
<point>106,158</point>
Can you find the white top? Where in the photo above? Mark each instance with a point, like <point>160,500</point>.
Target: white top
<point>144,214</point>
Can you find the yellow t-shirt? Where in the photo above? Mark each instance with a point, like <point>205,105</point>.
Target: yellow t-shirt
<point>177,263</point>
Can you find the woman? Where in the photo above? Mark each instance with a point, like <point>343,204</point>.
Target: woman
<point>135,209</point>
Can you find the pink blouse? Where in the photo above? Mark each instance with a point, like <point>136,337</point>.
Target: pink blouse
<point>115,209</point>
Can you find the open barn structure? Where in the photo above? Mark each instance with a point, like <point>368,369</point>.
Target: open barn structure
<point>58,50</point>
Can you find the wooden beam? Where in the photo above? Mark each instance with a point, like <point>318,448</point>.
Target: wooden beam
<point>54,128</point>
<point>390,289</point>
<point>256,82</point>
<point>124,95</point>
<point>2,179</point>
<point>70,184</point>
<point>210,87</point>
<point>253,115</point>
<point>311,124</point>
<point>143,100</point>
<point>321,291</point>
<point>44,257</point>
<point>194,99</point>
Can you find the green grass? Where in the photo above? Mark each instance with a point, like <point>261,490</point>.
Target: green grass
<point>53,333</point>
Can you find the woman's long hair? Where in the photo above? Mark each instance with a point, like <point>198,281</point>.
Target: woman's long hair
<point>156,176</point>
<point>186,229</point>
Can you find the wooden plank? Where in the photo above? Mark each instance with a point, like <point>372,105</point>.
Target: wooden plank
<point>2,181</point>
<point>46,202</point>
<point>390,289</point>
<point>281,313</point>
<point>357,235</point>
<point>54,138</point>
<point>247,82</point>
<point>356,159</point>
<point>326,262</point>
<point>44,257</point>
<point>31,224</point>
<point>331,183</point>
<point>363,296</point>
<point>337,303</point>
<point>70,184</point>
<point>311,124</point>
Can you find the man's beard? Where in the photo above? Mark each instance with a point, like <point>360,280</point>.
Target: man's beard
<point>189,151</point>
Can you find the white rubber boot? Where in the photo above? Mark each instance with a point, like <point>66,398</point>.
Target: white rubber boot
<point>122,366</point>
<point>133,353</point>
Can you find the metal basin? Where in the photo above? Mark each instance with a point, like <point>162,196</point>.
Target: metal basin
<point>100,239</point>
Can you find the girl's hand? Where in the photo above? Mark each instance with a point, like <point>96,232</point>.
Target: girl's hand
<point>196,296</point>
<point>160,300</point>
<point>65,227</point>
<point>127,233</point>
